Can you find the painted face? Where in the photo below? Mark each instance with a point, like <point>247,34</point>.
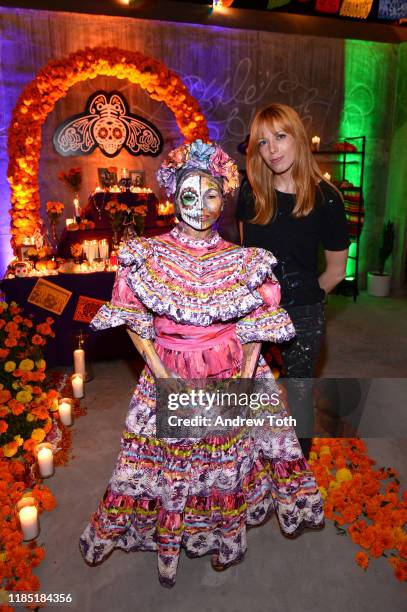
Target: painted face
<point>278,149</point>
<point>199,201</point>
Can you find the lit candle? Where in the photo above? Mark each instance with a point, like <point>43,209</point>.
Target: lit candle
<point>69,221</point>
<point>103,249</point>
<point>327,176</point>
<point>76,207</point>
<point>45,459</point>
<point>28,515</point>
<point>65,410</point>
<point>77,385</point>
<point>79,361</point>
<point>125,173</point>
<point>315,143</point>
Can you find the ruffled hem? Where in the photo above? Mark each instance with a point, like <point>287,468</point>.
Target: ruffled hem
<point>269,325</point>
<point>138,320</point>
<point>211,523</point>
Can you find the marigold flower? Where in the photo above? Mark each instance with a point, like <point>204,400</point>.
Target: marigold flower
<point>37,340</point>
<point>26,365</point>
<point>10,449</point>
<point>362,559</point>
<point>5,395</point>
<point>10,366</point>
<point>38,434</point>
<point>3,426</point>
<point>343,475</point>
<point>24,396</point>
<point>41,364</point>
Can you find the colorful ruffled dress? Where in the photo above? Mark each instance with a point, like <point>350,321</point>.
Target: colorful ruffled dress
<point>199,301</point>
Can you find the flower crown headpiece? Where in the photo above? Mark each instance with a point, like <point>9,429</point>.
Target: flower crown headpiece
<point>206,156</point>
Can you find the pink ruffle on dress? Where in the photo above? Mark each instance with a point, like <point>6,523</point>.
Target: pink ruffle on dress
<point>199,301</point>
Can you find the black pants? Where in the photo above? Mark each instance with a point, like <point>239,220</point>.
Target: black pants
<point>300,356</point>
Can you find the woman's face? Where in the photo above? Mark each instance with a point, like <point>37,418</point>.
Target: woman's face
<point>199,201</point>
<point>277,149</point>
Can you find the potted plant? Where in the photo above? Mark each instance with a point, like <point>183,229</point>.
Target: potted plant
<point>378,282</point>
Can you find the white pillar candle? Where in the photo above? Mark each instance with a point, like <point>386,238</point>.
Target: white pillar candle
<point>28,516</point>
<point>45,462</point>
<point>79,361</point>
<point>315,143</point>
<point>85,248</point>
<point>65,411</point>
<point>76,207</point>
<point>91,252</point>
<point>77,385</point>
<point>103,249</point>
<point>68,222</point>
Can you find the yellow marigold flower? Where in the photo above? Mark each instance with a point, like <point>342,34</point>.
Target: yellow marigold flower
<point>41,363</point>
<point>323,492</point>
<point>27,365</point>
<point>16,385</point>
<point>54,405</point>
<point>30,417</point>
<point>19,440</point>
<point>10,366</point>
<point>324,450</point>
<point>312,456</point>
<point>38,434</point>
<point>343,474</point>
<point>334,484</point>
<point>3,305</point>
<point>24,397</point>
<point>10,449</point>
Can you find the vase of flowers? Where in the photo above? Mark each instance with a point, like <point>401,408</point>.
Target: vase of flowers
<point>117,213</point>
<point>72,178</point>
<point>54,212</point>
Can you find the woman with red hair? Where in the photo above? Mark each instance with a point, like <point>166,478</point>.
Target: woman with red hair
<point>289,208</point>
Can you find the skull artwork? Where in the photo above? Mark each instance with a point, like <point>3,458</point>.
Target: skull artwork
<point>108,124</point>
<point>110,134</point>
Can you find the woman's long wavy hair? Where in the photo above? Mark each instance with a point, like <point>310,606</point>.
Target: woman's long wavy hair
<point>305,171</point>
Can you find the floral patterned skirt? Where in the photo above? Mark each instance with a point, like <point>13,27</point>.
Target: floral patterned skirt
<point>200,495</point>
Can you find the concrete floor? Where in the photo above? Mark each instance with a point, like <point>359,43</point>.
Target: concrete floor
<point>314,573</point>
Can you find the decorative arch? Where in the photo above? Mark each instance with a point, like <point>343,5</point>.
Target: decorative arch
<point>50,85</point>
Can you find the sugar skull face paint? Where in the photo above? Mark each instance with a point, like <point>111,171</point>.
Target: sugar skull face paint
<point>199,201</point>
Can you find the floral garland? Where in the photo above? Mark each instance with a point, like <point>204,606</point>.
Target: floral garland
<point>354,500</point>
<point>50,85</point>
<point>205,156</point>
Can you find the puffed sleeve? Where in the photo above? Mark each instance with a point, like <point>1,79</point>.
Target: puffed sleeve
<point>269,322</point>
<point>124,307</point>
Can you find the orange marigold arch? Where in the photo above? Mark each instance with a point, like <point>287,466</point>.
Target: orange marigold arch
<point>50,85</point>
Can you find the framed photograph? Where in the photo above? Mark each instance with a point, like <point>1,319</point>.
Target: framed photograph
<point>138,178</point>
<point>107,177</point>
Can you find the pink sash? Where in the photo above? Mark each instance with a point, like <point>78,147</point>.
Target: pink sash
<point>178,337</point>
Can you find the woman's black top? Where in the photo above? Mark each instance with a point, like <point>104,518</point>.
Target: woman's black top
<point>295,241</point>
